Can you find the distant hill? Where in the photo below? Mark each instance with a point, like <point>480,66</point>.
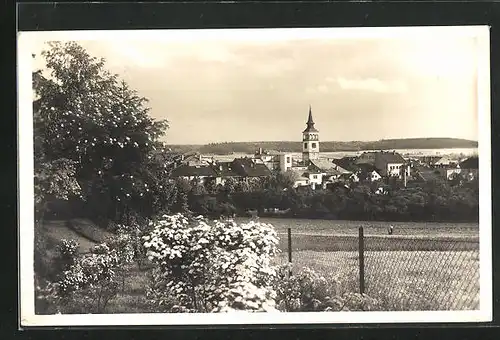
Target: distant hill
<point>331,146</point>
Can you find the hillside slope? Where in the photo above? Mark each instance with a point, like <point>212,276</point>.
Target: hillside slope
<point>83,231</point>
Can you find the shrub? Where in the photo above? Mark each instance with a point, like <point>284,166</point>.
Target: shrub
<point>211,267</point>
<point>66,251</point>
<point>129,241</point>
<point>92,280</point>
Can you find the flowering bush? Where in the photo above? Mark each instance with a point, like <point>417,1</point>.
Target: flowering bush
<point>128,241</point>
<point>90,270</point>
<point>94,279</point>
<point>67,250</point>
<point>308,291</point>
<point>211,267</point>
<point>95,138</point>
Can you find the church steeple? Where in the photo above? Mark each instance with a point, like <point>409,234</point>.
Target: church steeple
<point>310,139</point>
<point>310,123</point>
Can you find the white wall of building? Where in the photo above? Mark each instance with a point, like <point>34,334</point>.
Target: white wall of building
<point>285,162</point>
<point>396,169</point>
<point>315,179</point>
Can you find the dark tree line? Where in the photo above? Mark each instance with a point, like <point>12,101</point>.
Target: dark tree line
<point>425,201</point>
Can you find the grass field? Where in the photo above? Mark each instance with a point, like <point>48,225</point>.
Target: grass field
<point>378,243</point>
<point>405,272</point>
<point>403,280</point>
<point>332,227</point>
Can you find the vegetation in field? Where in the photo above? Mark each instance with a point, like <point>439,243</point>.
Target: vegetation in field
<point>403,280</point>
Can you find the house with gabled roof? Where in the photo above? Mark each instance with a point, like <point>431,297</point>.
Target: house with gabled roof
<point>191,172</point>
<point>240,169</point>
<point>471,163</point>
<point>469,168</point>
<point>274,160</point>
<point>247,168</point>
<point>301,181</point>
<point>194,158</point>
<point>368,172</point>
<point>387,163</point>
<point>346,163</point>
<point>445,162</point>
<point>427,174</point>
<point>223,171</point>
<point>315,177</point>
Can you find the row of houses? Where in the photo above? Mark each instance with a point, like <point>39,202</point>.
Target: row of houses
<point>208,169</point>
<point>316,171</point>
<point>467,168</point>
<point>369,166</point>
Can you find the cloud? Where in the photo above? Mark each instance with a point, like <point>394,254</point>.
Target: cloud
<point>321,89</point>
<point>372,84</point>
<point>135,54</point>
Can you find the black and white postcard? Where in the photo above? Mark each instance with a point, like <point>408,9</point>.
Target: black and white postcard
<point>255,176</point>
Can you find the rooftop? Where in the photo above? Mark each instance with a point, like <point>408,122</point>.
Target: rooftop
<point>224,169</point>
<point>470,163</point>
<point>380,156</point>
<point>310,123</point>
<point>328,166</point>
<point>248,168</point>
<point>197,170</point>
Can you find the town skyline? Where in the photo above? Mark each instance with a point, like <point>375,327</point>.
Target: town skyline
<point>218,90</point>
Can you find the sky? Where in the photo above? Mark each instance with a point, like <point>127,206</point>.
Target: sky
<point>219,89</point>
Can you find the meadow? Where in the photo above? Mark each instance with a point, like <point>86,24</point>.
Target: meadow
<point>424,266</point>
<point>402,280</point>
<point>341,227</point>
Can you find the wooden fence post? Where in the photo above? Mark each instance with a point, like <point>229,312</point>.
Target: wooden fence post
<point>361,261</point>
<point>290,248</point>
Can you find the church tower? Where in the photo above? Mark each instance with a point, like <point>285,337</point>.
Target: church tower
<point>310,141</point>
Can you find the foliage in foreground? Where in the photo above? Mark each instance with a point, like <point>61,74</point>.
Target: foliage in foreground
<point>223,266</point>
<point>308,291</point>
<point>211,267</point>
<point>198,266</point>
<point>85,283</point>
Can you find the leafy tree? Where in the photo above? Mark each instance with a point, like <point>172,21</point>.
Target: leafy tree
<point>102,127</point>
<point>230,185</point>
<point>182,189</point>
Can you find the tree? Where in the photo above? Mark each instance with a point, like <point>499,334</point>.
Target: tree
<point>98,123</point>
<point>182,189</point>
<point>282,181</point>
<point>230,185</point>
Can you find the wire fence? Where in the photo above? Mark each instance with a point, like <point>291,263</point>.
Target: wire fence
<point>403,272</point>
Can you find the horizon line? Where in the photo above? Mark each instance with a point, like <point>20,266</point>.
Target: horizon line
<point>327,141</point>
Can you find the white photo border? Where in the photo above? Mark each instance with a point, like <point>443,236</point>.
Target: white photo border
<point>26,190</point>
